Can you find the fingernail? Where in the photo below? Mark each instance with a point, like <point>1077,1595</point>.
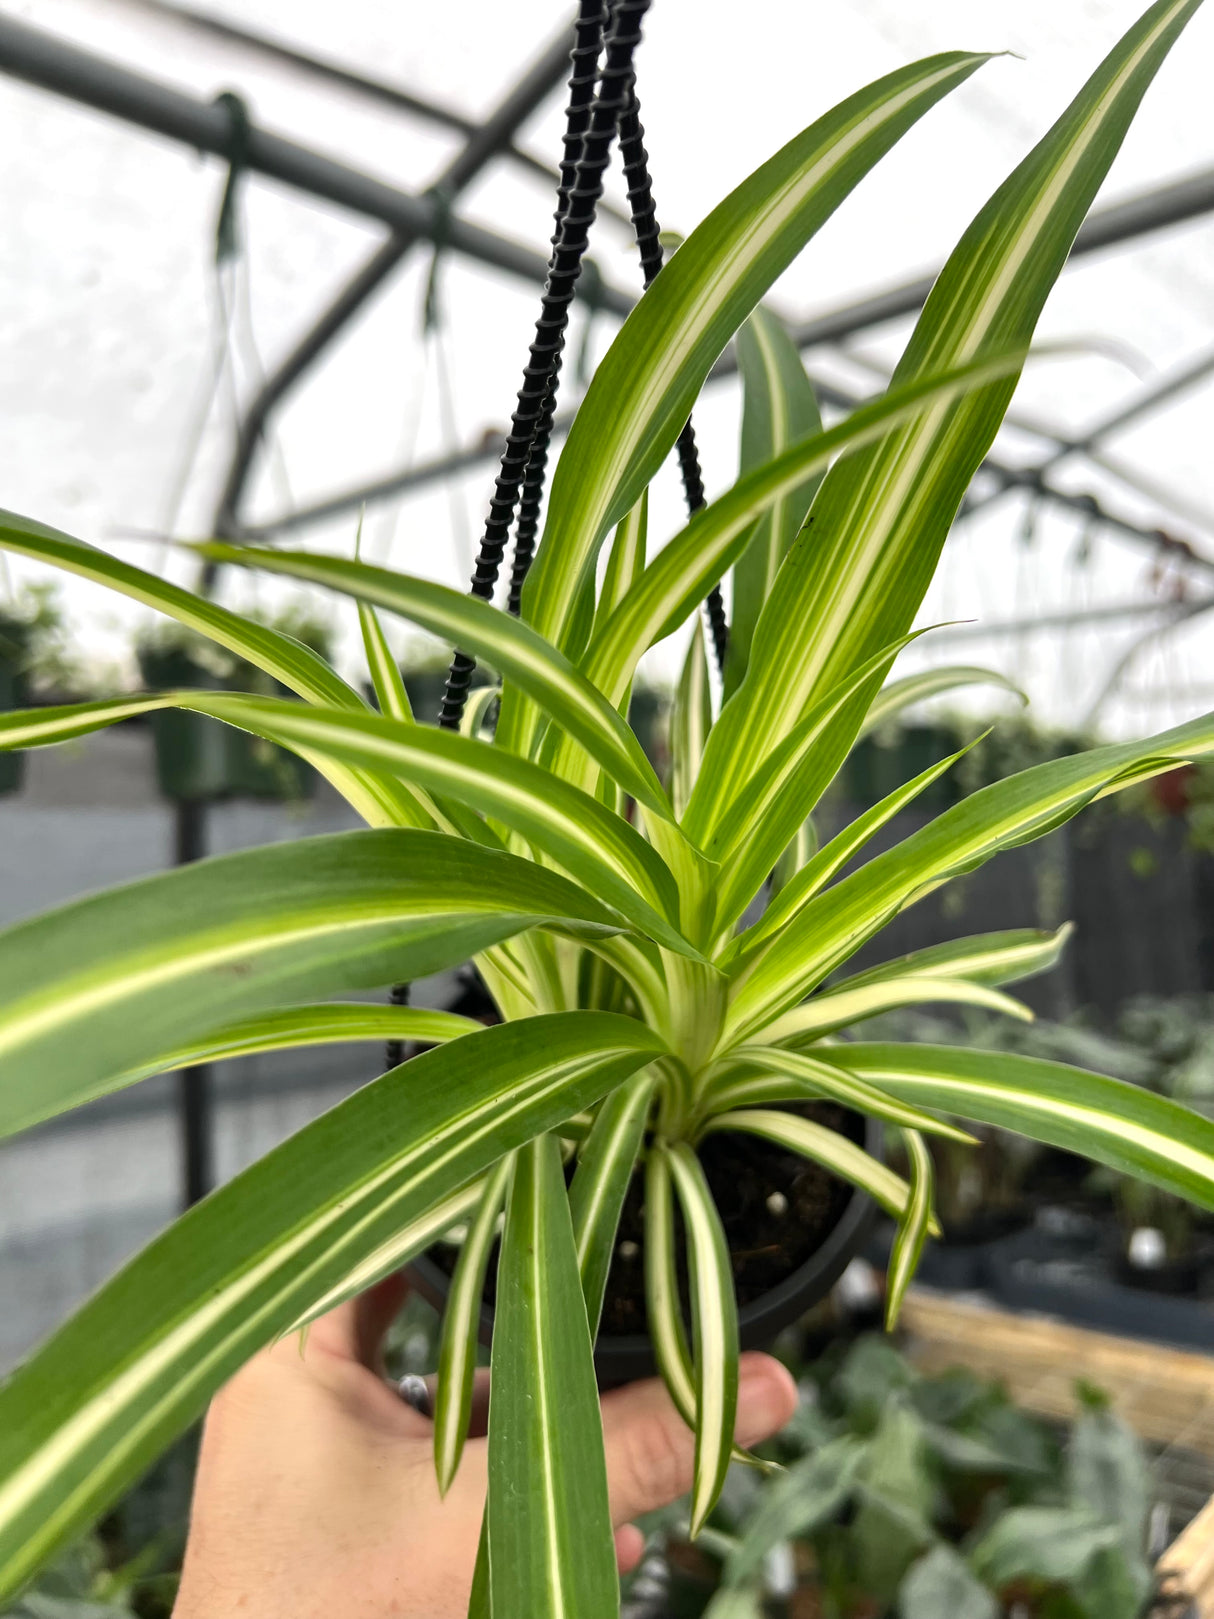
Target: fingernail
<point>767,1398</point>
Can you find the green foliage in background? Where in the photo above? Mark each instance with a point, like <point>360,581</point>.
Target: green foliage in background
<point>913,1497</point>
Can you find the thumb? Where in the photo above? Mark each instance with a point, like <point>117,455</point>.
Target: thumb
<point>651,1450</point>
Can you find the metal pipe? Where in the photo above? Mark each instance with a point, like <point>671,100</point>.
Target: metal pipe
<point>1168,205</point>
<point>52,64</point>
<point>1149,211</point>
<point>389,95</point>
<point>484,143</point>
<point>1178,610</point>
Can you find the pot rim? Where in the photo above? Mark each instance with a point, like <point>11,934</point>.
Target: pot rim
<point>625,1356</point>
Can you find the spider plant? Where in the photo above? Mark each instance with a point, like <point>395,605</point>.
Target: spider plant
<point>608,913</point>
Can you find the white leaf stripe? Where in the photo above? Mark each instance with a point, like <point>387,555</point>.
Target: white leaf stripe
<point>983,958</point>
<point>381,802</point>
<point>626,561</point>
<point>716,1330</point>
<point>399,1249</point>
<point>768,785</point>
<point>570,825</point>
<point>643,390</point>
<point>165,960</point>
<point>661,1287</point>
<point>912,1228</point>
<point>917,688</point>
<point>550,1545</point>
<point>836,923</point>
<point>829,860</point>
<point>690,722</point>
<point>461,1327</point>
<point>385,673</point>
<point>681,573</point>
<point>511,646</point>
<point>332,1023</point>
<point>826,1147</point>
<point>778,408</point>
<point>600,1185</point>
<point>849,1003</point>
<point>1148,1135</point>
<point>792,1075</point>
<point>74,1427</point>
<point>881,518</point>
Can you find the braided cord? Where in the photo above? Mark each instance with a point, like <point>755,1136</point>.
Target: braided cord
<point>645,227</point>
<point>598,115</point>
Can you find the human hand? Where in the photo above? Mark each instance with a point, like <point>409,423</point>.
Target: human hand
<point>316,1495</point>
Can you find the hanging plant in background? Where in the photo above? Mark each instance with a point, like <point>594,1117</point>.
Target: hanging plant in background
<point>650,1019</point>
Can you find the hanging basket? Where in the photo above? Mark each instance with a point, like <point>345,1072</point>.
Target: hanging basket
<point>14,647</point>
<point>201,758</point>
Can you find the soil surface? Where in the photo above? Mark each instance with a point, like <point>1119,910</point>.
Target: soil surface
<point>777,1209</point>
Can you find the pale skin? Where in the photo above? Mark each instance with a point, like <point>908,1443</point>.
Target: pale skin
<point>316,1492</point>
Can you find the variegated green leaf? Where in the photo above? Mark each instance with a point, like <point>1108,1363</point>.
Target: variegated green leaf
<point>826,1147</point>
<point>818,870</point>
<point>824,933</point>
<point>1006,957</point>
<point>567,824</point>
<point>643,391</point>
<point>402,1246</point>
<point>757,1076</point>
<point>859,570</point>
<point>500,639</point>
<point>606,1165</point>
<point>551,1552</point>
<point>679,577</point>
<point>380,802</point>
<point>383,668</point>
<point>461,1327</point>
<point>849,1003</point>
<point>327,1024</point>
<point>903,694</point>
<point>105,986</point>
<point>625,560</point>
<point>714,1330</point>
<point>665,1316</point>
<point>690,721</point>
<point>776,800</point>
<point>778,409</point>
<point>1124,1126</point>
<point>82,1418</point>
<point>912,1228</point>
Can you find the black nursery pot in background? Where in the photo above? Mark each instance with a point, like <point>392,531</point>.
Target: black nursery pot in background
<point>14,647</point>
<point>201,758</point>
<point>792,1230</point>
<point>874,768</point>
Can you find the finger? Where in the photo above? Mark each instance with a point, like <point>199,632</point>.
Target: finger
<point>651,1450</point>
<point>629,1547</point>
<point>355,1330</point>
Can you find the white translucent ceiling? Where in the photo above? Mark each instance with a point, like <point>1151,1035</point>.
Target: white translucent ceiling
<point>108,327</point>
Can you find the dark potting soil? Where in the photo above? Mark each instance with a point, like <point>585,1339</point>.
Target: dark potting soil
<point>777,1209</point>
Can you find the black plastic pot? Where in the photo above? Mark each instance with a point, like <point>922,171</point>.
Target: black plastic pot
<point>623,1359</point>
<point>12,695</point>
<point>201,758</point>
